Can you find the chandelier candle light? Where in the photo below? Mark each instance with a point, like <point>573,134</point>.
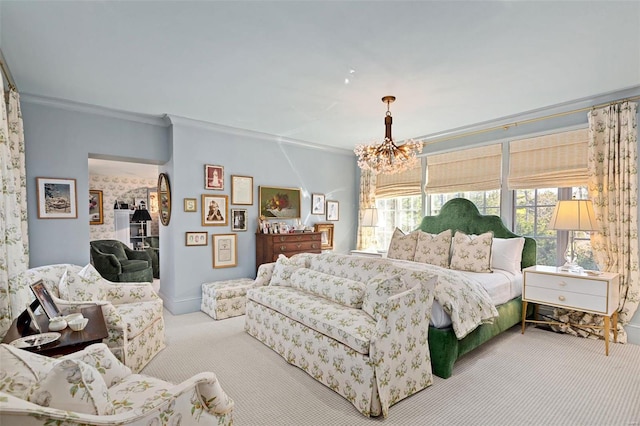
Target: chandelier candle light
<point>387,157</point>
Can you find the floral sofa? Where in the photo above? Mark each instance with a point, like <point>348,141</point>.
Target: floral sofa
<point>92,387</point>
<point>132,311</point>
<point>358,327</point>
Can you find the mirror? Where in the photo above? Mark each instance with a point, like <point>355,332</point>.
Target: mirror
<point>164,196</point>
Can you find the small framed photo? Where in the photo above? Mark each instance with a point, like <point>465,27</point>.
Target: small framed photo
<point>225,250</point>
<point>57,198</point>
<point>239,219</point>
<point>326,235</point>
<point>317,203</point>
<point>196,239</point>
<point>242,190</point>
<point>190,205</point>
<point>44,298</point>
<point>215,210</point>
<point>333,210</point>
<point>213,177</point>
<point>96,215</point>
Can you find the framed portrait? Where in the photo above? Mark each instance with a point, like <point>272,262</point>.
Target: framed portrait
<point>57,198</point>
<point>326,235</point>
<point>333,210</point>
<point>215,210</point>
<point>225,250</point>
<point>190,205</point>
<point>281,203</point>
<point>196,239</point>
<point>238,219</point>
<point>317,203</point>
<point>44,298</point>
<point>96,214</point>
<point>213,177</point>
<point>242,190</point>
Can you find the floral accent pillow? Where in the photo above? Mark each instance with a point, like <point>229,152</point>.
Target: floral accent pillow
<point>433,248</point>
<point>84,285</point>
<point>506,254</point>
<point>284,268</point>
<point>378,290</point>
<point>402,246</point>
<point>73,386</point>
<point>104,361</point>
<point>471,253</point>
<point>341,290</point>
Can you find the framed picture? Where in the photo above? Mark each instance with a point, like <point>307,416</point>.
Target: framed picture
<point>213,177</point>
<point>190,205</point>
<point>215,210</point>
<point>242,190</point>
<point>57,198</point>
<point>196,239</point>
<point>281,203</point>
<point>225,250</point>
<point>333,210</point>
<point>96,215</point>
<point>44,298</point>
<point>153,201</point>
<point>239,219</point>
<point>326,235</point>
<point>317,203</point>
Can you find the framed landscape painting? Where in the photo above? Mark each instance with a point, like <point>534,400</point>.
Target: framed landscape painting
<point>57,198</point>
<point>280,203</point>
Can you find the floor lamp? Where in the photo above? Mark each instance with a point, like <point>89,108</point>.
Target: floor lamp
<point>142,215</point>
<point>370,220</point>
<point>573,215</point>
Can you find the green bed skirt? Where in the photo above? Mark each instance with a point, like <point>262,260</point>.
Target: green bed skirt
<point>445,348</point>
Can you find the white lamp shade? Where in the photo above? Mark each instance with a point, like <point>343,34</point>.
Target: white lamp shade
<point>369,217</point>
<point>573,215</point>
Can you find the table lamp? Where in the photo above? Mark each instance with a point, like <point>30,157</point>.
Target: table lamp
<point>573,215</point>
<point>370,220</point>
<point>142,215</point>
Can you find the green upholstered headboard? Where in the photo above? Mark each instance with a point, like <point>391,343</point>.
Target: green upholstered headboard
<point>460,214</point>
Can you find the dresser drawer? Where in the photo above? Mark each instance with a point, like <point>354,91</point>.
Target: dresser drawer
<point>288,247</point>
<point>567,284</point>
<point>566,299</point>
<point>294,238</point>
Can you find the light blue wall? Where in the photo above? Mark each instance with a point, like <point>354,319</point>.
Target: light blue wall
<point>60,140</point>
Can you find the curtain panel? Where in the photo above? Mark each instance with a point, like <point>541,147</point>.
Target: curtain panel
<point>551,161</point>
<point>475,169</point>
<point>367,199</point>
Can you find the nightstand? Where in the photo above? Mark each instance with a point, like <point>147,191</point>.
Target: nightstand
<point>596,294</point>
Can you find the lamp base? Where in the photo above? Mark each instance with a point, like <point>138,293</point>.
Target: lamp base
<point>572,267</point>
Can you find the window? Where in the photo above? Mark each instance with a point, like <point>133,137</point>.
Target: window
<point>487,202</point>
<point>533,210</point>
<point>398,212</point>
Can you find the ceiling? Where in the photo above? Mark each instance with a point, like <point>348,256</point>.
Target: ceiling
<point>315,71</point>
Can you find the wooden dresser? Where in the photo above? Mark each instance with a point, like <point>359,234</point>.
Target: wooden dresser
<point>269,246</point>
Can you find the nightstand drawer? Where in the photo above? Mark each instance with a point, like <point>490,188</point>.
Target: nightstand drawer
<point>566,299</point>
<point>567,284</point>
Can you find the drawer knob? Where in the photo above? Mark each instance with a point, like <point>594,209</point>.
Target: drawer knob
<point>314,246</point>
<point>298,245</point>
<point>561,298</point>
<point>562,283</point>
<point>283,248</point>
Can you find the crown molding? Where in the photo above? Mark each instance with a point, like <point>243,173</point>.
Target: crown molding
<point>155,120</point>
<point>189,122</point>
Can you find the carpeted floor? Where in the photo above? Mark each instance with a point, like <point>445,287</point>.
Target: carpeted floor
<point>539,378</point>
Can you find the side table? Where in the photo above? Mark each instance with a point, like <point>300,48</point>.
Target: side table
<point>70,341</point>
<point>551,286</point>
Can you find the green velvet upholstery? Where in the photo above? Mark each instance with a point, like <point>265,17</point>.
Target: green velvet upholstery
<point>106,258</point>
<point>154,253</point>
<point>460,214</point>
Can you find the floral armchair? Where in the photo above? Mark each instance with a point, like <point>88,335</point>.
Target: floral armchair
<point>91,387</point>
<point>132,311</point>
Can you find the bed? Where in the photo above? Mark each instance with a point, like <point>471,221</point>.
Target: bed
<point>461,214</point>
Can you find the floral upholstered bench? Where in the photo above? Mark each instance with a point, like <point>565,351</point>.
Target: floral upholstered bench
<point>225,299</point>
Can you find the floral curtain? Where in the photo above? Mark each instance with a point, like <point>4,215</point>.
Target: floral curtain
<point>14,247</point>
<point>367,199</point>
<point>613,188</point>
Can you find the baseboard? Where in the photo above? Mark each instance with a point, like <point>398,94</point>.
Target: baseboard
<point>633,333</point>
<point>179,307</point>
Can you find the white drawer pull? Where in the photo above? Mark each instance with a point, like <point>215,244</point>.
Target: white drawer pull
<point>562,283</point>
<point>561,298</point>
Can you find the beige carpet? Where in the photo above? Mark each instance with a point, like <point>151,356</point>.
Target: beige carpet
<point>539,378</point>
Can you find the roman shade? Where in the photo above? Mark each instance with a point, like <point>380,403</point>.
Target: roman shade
<point>475,169</point>
<point>406,183</point>
<point>551,161</point>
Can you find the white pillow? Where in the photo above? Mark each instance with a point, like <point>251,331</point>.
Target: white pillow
<point>506,254</point>
<point>403,247</point>
<point>471,252</point>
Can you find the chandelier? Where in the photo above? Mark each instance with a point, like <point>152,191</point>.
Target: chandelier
<point>387,157</point>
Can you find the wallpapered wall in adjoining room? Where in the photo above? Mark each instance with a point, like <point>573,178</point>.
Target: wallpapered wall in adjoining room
<point>124,190</point>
